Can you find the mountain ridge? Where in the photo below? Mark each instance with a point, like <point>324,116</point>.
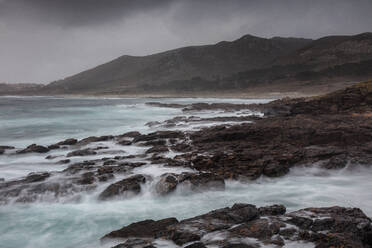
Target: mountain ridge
<point>207,61</point>
<point>247,64</point>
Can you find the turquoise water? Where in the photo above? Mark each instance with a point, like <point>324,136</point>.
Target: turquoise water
<point>44,120</point>
<point>82,224</point>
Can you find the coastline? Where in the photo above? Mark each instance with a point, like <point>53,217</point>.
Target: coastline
<point>331,132</point>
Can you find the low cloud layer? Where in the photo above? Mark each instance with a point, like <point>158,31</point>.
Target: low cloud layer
<point>46,40</point>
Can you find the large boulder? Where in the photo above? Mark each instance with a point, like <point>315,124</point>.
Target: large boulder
<point>34,148</point>
<point>194,181</point>
<point>143,229</point>
<point>126,187</point>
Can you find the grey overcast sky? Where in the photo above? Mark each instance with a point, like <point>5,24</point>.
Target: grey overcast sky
<point>46,40</point>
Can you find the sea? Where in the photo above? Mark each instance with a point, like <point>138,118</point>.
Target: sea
<point>81,222</point>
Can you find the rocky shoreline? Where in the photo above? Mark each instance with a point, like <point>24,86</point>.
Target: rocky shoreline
<point>246,226</point>
<point>332,132</point>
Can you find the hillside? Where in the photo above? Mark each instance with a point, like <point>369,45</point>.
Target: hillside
<point>208,62</point>
<point>247,66</point>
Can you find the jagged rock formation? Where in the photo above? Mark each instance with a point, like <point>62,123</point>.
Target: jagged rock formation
<point>245,225</point>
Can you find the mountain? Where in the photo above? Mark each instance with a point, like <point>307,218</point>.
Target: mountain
<point>331,51</point>
<point>209,62</point>
<point>249,64</point>
<point>326,64</point>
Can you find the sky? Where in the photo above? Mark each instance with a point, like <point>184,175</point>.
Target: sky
<point>46,40</point>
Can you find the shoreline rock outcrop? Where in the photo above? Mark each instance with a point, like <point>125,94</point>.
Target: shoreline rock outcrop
<point>245,225</point>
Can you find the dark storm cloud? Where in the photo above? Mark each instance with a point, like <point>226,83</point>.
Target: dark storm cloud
<point>44,40</point>
<point>78,12</point>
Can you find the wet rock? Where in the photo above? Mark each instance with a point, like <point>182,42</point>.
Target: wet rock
<point>4,148</point>
<point>261,229</point>
<point>236,226</point>
<point>7,147</point>
<point>336,162</point>
<point>202,181</point>
<point>275,169</point>
<point>34,148</point>
<point>195,181</point>
<point>83,152</point>
<point>36,177</point>
<point>52,156</point>
<point>86,178</point>
<point>272,210</point>
<point>135,243</point>
<point>160,142</point>
<point>181,238</point>
<point>159,135</point>
<point>167,183</point>
<point>143,229</point>
<point>126,187</point>
<point>158,149</point>
<point>110,162</point>
<point>166,105</point>
<point>196,245</point>
<point>94,139</point>
<point>67,142</point>
<point>77,167</point>
<point>125,142</point>
<point>132,134</point>
<point>53,147</point>
<point>64,161</point>
<point>239,245</point>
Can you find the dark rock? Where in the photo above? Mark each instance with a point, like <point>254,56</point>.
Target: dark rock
<point>181,238</point>
<point>167,183</point>
<point>135,243</point>
<point>132,134</point>
<point>86,178</point>
<point>77,167</point>
<point>196,245</point>
<point>166,105</point>
<point>159,135</point>
<point>83,152</point>
<point>7,147</point>
<point>53,147</point>
<point>158,149</point>
<point>51,157</point>
<point>131,185</point>
<point>34,148</point>
<point>143,229</point>
<point>327,227</point>
<point>160,142</point>
<point>64,161</point>
<point>272,210</point>
<point>261,229</point>
<point>67,142</point>
<point>2,151</point>
<point>110,162</point>
<point>36,177</point>
<point>94,139</point>
<point>125,142</point>
<point>202,181</point>
<point>239,245</point>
